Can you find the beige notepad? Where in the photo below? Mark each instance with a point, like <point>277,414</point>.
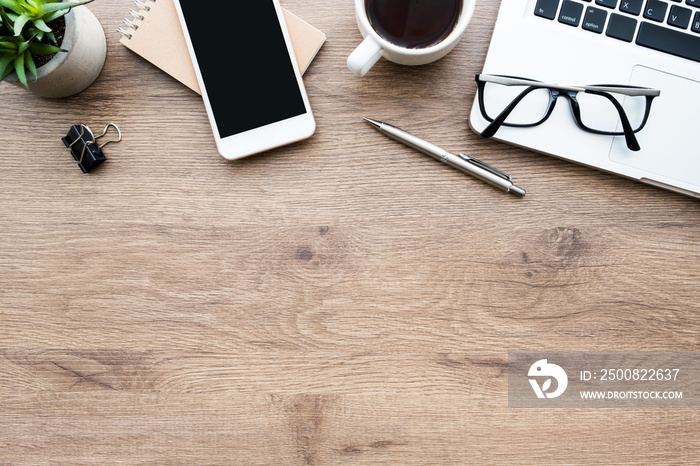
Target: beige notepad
<point>154,32</point>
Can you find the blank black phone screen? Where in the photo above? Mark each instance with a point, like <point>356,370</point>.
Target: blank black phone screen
<point>245,65</point>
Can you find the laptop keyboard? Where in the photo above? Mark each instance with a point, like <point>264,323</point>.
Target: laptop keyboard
<point>667,26</point>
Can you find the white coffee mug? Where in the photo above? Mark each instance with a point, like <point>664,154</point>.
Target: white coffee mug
<point>375,46</point>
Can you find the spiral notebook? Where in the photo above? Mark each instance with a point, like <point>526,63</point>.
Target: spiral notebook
<point>154,32</point>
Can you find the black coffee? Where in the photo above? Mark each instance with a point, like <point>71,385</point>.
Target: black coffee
<point>413,24</point>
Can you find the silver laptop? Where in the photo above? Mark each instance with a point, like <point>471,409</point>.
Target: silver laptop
<point>574,43</point>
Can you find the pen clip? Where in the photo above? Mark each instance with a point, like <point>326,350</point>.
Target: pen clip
<point>485,166</point>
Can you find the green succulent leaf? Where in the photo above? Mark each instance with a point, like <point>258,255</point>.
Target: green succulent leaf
<point>13,5</point>
<point>23,46</point>
<point>6,21</point>
<point>6,67</point>
<point>29,64</point>
<point>44,49</point>
<point>55,15</point>
<point>19,69</point>
<point>52,7</point>
<point>41,25</point>
<point>20,22</point>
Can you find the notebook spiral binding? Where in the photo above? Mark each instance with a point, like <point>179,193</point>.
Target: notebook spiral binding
<point>136,17</point>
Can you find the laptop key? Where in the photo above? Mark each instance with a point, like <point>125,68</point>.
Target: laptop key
<point>693,2</point>
<point>656,10</point>
<point>633,7</point>
<point>570,13</point>
<point>621,27</point>
<point>594,20</point>
<point>679,17</point>
<point>669,41</point>
<point>696,23</point>
<point>547,8</point>
<point>608,3</point>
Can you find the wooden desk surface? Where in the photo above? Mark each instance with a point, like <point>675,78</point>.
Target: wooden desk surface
<point>343,300</point>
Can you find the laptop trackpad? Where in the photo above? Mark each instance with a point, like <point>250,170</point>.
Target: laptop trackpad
<point>669,141</point>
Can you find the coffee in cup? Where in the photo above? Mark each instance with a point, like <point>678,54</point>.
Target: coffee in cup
<point>413,24</point>
<point>408,32</point>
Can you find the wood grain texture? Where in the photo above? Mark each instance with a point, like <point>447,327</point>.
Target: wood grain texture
<point>344,300</point>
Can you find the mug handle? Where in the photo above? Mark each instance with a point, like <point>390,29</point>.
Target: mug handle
<point>364,57</point>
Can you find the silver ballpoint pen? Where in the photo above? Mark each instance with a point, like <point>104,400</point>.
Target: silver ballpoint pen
<point>461,162</point>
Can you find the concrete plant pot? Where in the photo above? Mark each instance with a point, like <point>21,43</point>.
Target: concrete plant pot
<point>69,73</point>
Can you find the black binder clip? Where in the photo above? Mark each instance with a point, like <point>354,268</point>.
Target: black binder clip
<point>83,145</point>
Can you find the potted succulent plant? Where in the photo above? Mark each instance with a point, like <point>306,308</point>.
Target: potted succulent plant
<point>50,47</point>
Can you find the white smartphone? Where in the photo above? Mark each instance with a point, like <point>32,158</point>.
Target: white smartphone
<point>250,81</point>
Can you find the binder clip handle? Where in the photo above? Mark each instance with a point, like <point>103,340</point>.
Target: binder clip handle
<point>119,135</point>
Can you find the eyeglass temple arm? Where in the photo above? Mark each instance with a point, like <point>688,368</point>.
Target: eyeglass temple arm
<point>501,118</point>
<point>624,90</point>
<point>630,138</point>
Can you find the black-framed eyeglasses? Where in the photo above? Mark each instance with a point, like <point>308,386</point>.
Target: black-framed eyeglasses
<point>599,109</point>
